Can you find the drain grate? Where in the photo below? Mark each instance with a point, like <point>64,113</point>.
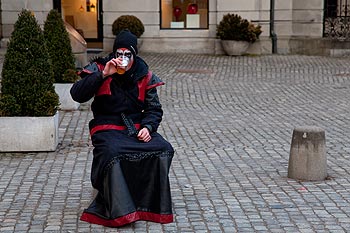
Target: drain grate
<point>194,71</point>
<point>342,75</point>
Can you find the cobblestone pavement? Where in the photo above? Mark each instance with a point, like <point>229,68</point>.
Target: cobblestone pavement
<point>230,120</point>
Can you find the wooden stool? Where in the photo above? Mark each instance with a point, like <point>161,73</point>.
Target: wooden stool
<point>307,159</point>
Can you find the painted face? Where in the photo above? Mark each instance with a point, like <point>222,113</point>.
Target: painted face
<point>126,55</point>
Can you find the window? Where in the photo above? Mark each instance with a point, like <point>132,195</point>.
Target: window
<point>337,8</point>
<point>184,14</point>
<point>337,20</point>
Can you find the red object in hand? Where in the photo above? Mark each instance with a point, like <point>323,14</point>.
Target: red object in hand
<point>192,8</point>
<point>177,12</point>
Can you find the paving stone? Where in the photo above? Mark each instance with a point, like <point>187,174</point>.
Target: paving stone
<point>231,129</point>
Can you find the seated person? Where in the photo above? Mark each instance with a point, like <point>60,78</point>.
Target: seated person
<point>131,160</point>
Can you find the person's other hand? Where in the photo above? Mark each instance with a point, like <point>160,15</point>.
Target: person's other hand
<point>144,135</point>
<point>111,67</point>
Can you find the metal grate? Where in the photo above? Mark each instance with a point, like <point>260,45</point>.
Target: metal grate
<point>337,19</point>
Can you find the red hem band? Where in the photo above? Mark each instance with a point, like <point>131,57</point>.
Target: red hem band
<point>126,219</point>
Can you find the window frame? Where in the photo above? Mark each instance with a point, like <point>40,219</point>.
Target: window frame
<point>184,28</point>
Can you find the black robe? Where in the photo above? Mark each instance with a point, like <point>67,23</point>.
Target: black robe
<point>131,176</point>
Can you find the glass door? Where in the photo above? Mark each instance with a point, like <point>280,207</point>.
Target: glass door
<point>85,16</point>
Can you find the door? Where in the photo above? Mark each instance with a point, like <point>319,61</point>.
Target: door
<point>85,16</point>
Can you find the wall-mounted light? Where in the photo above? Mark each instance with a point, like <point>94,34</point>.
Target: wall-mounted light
<point>81,9</point>
<point>88,5</point>
<point>92,7</point>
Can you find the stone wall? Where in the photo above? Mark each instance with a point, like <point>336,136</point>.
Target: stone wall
<point>297,23</point>
<point>10,10</point>
<point>186,41</point>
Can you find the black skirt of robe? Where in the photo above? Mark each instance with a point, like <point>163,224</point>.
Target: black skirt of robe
<point>131,178</point>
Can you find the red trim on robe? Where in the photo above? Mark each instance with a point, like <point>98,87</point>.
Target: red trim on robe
<point>105,88</point>
<point>126,219</point>
<point>154,85</point>
<point>110,126</point>
<point>84,71</point>
<point>142,85</point>
<point>100,67</point>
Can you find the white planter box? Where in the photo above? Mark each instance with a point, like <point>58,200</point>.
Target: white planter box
<point>24,134</point>
<point>66,101</point>
<point>234,48</point>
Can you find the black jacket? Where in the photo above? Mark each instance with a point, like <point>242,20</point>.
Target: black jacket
<point>132,94</point>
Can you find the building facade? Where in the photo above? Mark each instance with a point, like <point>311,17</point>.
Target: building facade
<point>189,26</point>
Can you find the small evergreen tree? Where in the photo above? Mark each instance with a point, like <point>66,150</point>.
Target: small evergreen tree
<point>27,78</point>
<point>129,22</point>
<point>59,47</point>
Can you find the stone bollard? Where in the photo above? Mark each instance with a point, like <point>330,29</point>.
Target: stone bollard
<point>307,159</point>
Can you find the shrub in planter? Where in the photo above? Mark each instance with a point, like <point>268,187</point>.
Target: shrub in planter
<point>63,90</point>
<point>27,78</point>
<point>62,58</point>
<point>28,101</point>
<point>236,34</point>
<point>70,76</point>
<point>59,47</point>
<point>234,27</point>
<point>130,22</point>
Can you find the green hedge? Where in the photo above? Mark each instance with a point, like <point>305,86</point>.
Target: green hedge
<point>27,77</point>
<point>59,47</point>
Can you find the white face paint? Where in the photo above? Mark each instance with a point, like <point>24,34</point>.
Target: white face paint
<point>126,55</point>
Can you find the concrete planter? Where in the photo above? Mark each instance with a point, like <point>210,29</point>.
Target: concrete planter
<point>234,47</point>
<point>24,134</point>
<point>66,101</point>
